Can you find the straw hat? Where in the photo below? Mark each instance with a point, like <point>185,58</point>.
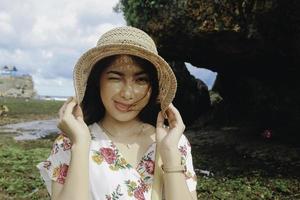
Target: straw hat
<point>132,41</point>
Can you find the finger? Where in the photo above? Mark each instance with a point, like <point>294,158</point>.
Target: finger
<point>174,116</point>
<point>160,133</point>
<point>175,112</point>
<point>70,107</point>
<point>78,111</point>
<point>160,120</point>
<point>62,109</point>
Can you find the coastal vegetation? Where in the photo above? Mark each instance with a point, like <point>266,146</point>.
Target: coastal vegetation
<point>226,168</point>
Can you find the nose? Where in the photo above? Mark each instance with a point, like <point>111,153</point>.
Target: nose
<point>127,91</point>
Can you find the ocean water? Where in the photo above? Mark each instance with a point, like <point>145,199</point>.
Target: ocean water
<point>55,98</point>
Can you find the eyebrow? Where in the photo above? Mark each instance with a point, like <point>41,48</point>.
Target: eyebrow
<point>122,74</point>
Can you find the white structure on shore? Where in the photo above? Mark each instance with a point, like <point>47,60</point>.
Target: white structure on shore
<point>13,84</point>
<point>8,71</point>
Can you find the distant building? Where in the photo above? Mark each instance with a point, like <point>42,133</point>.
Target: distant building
<point>8,71</point>
<point>14,84</point>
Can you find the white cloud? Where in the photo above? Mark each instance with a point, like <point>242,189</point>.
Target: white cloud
<point>45,38</point>
<point>5,24</point>
<point>53,87</point>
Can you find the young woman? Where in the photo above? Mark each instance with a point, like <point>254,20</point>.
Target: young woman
<point>114,142</point>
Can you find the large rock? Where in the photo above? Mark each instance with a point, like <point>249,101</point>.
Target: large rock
<point>192,97</point>
<point>20,86</point>
<point>254,46</point>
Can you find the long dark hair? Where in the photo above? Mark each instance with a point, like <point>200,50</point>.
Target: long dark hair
<point>92,105</point>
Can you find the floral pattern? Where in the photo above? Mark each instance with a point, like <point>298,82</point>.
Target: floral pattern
<point>115,194</point>
<point>146,166</point>
<point>121,181</point>
<point>111,156</point>
<point>149,165</point>
<point>47,164</point>
<point>137,189</point>
<point>60,173</point>
<point>61,142</point>
<point>183,150</point>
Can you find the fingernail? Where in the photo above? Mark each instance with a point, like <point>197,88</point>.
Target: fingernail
<point>165,116</point>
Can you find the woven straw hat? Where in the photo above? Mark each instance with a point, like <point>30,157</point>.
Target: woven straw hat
<point>132,41</point>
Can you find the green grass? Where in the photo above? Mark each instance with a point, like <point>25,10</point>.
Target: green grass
<point>248,188</point>
<point>252,172</point>
<point>21,110</point>
<point>20,178</point>
<point>237,177</point>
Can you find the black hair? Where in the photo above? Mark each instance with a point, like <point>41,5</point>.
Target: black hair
<point>92,105</point>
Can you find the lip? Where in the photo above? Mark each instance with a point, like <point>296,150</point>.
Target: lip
<point>121,106</point>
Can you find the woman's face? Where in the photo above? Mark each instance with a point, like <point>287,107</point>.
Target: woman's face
<point>124,88</point>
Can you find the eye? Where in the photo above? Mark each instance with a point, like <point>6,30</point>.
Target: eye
<point>142,80</point>
<point>114,78</point>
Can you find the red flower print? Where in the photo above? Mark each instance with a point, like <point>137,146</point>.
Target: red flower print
<point>108,154</point>
<point>139,193</point>
<point>183,150</point>
<point>67,144</point>
<point>143,185</point>
<point>63,170</point>
<point>149,164</point>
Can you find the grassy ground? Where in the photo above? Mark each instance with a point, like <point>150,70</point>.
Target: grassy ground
<point>243,167</point>
<point>19,178</point>
<point>21,110</point>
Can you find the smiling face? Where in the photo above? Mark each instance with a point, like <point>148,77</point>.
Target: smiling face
<point>124,88</point>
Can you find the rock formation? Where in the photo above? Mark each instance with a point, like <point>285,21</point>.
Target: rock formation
<point>254,45</point>
<point>19,86</point>
<point>192,97</point>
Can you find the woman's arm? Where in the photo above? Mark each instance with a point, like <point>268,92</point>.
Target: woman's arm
<point>76,184</point>
<point>175,185</point>
<point>168,138</point>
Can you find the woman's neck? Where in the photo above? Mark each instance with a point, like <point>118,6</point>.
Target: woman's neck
<point>121,129</point>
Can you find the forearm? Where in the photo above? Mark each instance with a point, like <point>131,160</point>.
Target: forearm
<point>175,187</point>
<point>76,186</point>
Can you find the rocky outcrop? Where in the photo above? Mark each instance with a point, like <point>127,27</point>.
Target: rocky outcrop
<point>192,96</point>
<point>254,45</point>
<point>20,86</point>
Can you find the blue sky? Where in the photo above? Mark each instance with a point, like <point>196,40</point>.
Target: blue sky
<point>45,39</point>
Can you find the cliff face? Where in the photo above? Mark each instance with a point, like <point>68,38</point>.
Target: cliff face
<point>192,96</point>
<point>254,45</point>
<point>17,87</point>
<point>220,33</point>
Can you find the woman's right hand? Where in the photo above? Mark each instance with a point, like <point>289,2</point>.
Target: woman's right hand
<point>72,124</point>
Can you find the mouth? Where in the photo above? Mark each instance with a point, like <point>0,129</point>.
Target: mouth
<point>122,107</point>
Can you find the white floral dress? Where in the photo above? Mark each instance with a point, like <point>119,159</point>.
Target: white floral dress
<point>111,176</point>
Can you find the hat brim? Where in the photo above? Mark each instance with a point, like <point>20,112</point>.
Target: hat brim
<point>166,77</point>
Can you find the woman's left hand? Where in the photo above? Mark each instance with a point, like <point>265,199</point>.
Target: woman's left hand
<point>168,137</point>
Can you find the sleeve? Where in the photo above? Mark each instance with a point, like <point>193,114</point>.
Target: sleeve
<point>55,167</point>
<point>184,147</point>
